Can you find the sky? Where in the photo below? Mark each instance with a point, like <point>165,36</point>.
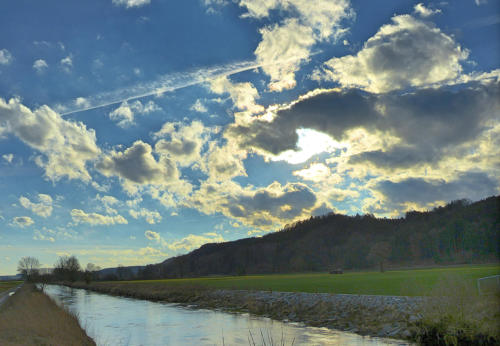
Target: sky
<point>136,130</point>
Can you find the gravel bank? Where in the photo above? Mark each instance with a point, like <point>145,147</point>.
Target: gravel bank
<point>384,316</point>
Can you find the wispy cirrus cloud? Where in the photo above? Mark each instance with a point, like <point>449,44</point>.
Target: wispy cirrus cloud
<point>165,83</point>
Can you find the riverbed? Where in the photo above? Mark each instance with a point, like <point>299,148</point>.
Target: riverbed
<point>111,320</point>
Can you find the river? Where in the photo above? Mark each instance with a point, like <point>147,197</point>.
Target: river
<point>111,320</point>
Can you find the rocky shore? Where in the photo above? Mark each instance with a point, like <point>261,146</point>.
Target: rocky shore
<point>381,316</point>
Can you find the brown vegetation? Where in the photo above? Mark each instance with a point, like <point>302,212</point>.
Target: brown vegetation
<point>456,315</point>
<point>31,318</point>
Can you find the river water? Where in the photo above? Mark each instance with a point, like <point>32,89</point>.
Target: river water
<point>113,320</point>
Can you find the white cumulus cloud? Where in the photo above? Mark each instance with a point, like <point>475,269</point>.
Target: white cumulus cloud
<point>131,3</point>
<point>43,208</point>
<point>5,57</point>
<point>22,221</point>
<point>79,216</point>
<point>125,114</point>
<point>40,65</point>
<point>405,53</point>
<point>66,145</point>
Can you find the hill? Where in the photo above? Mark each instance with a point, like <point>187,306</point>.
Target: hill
<point>460,232</point>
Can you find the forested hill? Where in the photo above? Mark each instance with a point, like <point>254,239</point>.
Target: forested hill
<point>461,232</point>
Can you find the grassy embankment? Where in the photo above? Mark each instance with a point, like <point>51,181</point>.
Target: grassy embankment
<point>416,282</point>
<point>7,285</point>
<point>30,318</point>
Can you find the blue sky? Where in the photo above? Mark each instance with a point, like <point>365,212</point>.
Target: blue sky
<point>136,130</point>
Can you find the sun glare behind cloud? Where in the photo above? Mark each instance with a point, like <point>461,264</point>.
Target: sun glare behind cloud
<point>310,143</point>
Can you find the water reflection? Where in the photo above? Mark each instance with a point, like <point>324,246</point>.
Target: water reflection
<point>124,321</point>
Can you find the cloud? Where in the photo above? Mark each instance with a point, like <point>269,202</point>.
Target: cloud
<point>265,208</point>
<point>82,102</point>
<point>131,3</point>
<point>125,114</point>
<point>223,162</point>
<point>193,241</point>
<point>44,235</point>
<point>165,83</point>
<point>113,256</point>
<point>5,57</point>
<point>182,142</point>
<point>243,95</point>
<point>403,130</point>
<point>108,203</point>
<point>152,236</point>
<point>291,41</point>
<point>315,172</point>
<point>138,169</point>
<point>423,11</point>
<point>43,208</point>
<point>330,112</point>
<point>406,53</point>
<point>40,65</point>
<point>188,243</point>
<point>151,216</point>
<point>137,165</point>
<point>199,107</point>
<point>67,64</point>
<point>22,221</point>
<point>66,145</point>
<point>79,216</point>
<point>8,157</point>
<point>323,16</point>
<point>480,2</point>
<point>421,194</point>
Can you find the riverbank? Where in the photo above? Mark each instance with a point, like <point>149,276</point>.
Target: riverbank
<point>381,316</point>
<point>29,317</point>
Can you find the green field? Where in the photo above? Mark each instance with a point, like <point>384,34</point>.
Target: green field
<point>397,282</point>
<point>7,285</point>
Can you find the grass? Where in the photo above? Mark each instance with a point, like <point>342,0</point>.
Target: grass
<point>7,285</point>
<point>413,282</point>
<point>31,318</point>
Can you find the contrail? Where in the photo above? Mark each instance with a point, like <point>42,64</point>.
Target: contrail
<point>166,83</point>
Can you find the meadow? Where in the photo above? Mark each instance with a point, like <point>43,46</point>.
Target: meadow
<point>411,282</point>
<point>7,285</point>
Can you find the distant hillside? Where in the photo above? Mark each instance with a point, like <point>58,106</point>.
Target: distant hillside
<point>11,277</point>
<point>119,272</point>
<point>461,232</point>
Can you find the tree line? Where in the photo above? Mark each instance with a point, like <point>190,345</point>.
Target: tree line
<point>460,232</point>
<point>68,269</point>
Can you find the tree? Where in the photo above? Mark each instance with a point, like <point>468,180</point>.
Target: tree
<point>124,273</point>
<point>67,268</point>
<point>380,252</point>
<point>91,267</point>
<point>89,274</point>
<point>28,267</point>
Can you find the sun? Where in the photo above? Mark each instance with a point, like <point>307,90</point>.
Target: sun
<point>310,143</point>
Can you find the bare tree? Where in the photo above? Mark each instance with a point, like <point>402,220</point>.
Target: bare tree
<point>380,252</point>
<point>67,268</point>
<point>28,267</point>
<point>90,274</point>
<point>91,267</point>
